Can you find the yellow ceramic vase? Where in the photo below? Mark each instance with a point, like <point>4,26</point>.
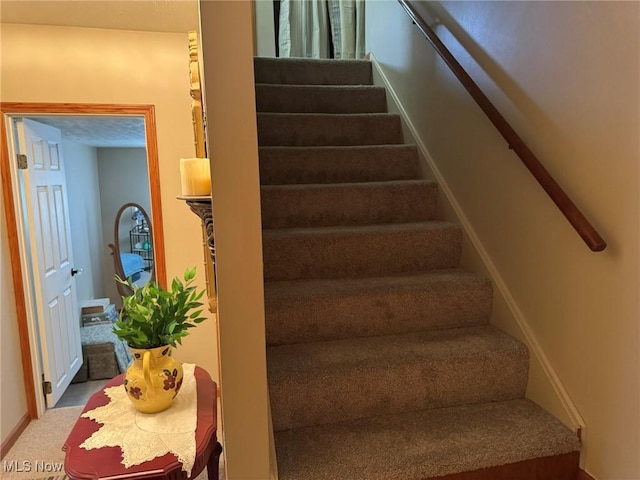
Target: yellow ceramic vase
<point>153,379</point>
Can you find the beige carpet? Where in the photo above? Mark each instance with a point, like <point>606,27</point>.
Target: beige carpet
<point>433,443</point>
<point>40,448</point>
<point>381,361</point>
<point>40,445</point>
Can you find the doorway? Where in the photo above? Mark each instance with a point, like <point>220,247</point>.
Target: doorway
<point>32,368</point>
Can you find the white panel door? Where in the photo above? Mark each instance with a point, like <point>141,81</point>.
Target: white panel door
<point>49,235</point>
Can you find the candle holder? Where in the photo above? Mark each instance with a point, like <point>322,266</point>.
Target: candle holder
<point>202,206</point>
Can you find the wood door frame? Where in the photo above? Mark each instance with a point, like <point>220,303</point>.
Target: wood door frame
<point>11,109</point>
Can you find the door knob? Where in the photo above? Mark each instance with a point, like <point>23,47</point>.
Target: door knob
<point>75,271</point>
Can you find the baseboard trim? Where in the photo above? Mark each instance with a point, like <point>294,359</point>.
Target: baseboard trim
<point>14,434</point>
<point>530,338</point>
<point>556,467</point>
<point>582,475</point>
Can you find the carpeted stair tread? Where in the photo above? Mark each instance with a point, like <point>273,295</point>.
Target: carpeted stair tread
<point>320,98</point>
<point>316,129</point>
<point>339,380</point>
<point>317,310</point>
<point>398,201</point>
<point>361,250</point>
<point>330,164</point>
<point>304,71</point>
<point>423,444</point>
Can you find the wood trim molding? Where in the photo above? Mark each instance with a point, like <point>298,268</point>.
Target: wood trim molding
<point>154,191</point>
<point>16,273</point>
<point>34,108</point>
<point>14,434</point>
<point>582,475</point>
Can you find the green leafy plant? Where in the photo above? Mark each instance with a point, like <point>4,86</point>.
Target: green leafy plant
<point>152,316</point>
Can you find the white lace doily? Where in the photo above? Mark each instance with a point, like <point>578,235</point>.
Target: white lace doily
<point>142,436</point>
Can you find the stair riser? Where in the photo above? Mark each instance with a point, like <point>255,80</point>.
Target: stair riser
<point>284,166</point>
<point>301,72</point>
<point>347,205</point>
<point>318,130</point>
<point>336,255</point>
<point>377,311</point>
<point>313,99</point>
<point>366,390</point>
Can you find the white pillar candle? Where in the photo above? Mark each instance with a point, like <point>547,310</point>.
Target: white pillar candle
<point>195,176</point>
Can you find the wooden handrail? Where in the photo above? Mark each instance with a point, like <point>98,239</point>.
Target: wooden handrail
<point>589,234</point>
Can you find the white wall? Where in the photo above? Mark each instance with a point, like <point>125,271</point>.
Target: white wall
<point>65,64</point>
<point>566,75</point>
<point>83,195</point>
<point>13,402</point>
<point>124,178</point>
<point>265,36</point>
<point>232,140</point>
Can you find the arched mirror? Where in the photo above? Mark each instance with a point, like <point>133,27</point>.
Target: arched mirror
<point>132,249</point>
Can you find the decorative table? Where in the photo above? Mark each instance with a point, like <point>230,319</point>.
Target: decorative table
<point>105,462</point>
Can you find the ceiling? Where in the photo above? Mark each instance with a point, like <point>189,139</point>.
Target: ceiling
<point>169,16</point>
<point>103,131</point>
<point>176,16</point>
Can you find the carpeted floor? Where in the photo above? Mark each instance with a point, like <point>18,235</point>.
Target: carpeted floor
<point>38,452</point>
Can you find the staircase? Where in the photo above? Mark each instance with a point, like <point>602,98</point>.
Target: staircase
<point>382,364</point>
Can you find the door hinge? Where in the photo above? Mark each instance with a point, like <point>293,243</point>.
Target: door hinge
<point>46,388</point>
<point>22,161</point>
